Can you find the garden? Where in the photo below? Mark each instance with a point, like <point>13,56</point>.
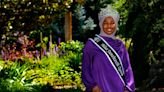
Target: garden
<point>41,42</point>
<point>60,69</point>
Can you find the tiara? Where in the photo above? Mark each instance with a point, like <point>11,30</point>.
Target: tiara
<point>108,11</point>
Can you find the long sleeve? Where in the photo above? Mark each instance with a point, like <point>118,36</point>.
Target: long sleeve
<point>87,77</point>
<point>129,78</point>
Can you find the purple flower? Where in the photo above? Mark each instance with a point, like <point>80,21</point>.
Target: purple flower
<point>36,53</point>
<point>59,40</point>
<point>44,52</point>
<point>55,49</point>
<point>50,46</point>
<point>3,54</point>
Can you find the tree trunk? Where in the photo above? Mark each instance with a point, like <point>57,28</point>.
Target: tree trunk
<point>68,26</point>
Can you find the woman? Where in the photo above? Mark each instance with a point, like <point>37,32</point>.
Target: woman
<point>106,66</point>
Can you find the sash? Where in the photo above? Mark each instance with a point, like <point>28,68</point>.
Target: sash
<point>112,56</point>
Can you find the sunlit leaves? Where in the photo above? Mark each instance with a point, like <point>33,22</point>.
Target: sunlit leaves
<point>27,15</point>
<point>41,17</point>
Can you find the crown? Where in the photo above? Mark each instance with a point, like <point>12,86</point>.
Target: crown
<point>108,11</point>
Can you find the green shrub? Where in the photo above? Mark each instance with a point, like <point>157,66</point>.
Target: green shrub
<point>49,72</point>
<point>74,46</point>
<point>71,51</point>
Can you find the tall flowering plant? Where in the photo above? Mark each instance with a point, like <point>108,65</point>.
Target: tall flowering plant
<point>22,48</point>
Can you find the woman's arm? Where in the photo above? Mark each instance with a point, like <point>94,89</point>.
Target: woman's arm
<point>129,78</point>
<point>87,77</point>
<point>96,89</point>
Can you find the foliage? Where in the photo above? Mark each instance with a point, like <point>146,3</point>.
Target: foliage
<point>71,51</point>
<point>81,24</point>
<point>20,50</point>
<point>92,8</point>
<point>30,15</point>
<point>13,77</point>
<point>145,26</point>
<point>55,72</point>
<point>89,24</point>
<point>123,11</point>
<point>51,71</point>
<point>74,46</point>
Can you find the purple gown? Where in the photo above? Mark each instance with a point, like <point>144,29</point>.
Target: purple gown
<point>97,70</point>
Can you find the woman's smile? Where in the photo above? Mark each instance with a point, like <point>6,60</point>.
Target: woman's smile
<point>109,25</point>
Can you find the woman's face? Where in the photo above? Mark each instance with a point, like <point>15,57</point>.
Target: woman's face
<point>109,25</point>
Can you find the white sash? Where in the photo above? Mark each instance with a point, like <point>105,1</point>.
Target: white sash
<point>112,56</point>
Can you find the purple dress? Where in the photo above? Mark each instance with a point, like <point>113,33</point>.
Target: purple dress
<point>97,70</point>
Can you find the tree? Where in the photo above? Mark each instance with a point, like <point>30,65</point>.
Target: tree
<point>144,26</point>
<point>27,15</point>
<point>68,19</point>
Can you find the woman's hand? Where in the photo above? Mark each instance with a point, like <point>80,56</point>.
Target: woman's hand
<point>96,89</point>
<point>126,90</point>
